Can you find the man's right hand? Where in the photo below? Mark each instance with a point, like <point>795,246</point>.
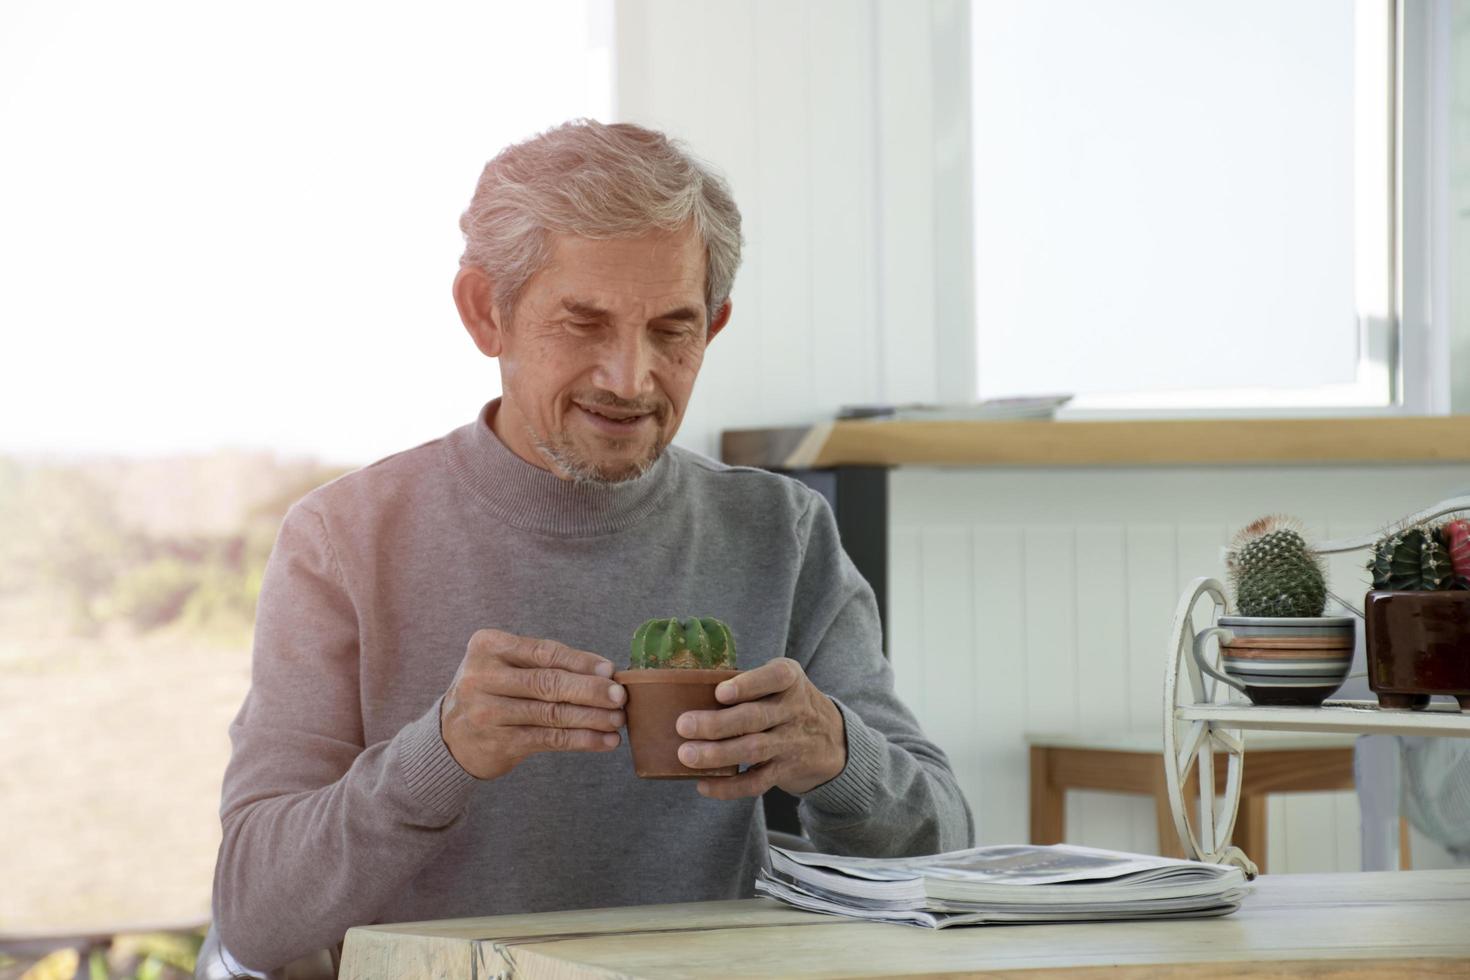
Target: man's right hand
<point>515,696</point>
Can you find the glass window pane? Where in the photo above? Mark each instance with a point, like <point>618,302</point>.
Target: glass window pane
<point>1165,195</point>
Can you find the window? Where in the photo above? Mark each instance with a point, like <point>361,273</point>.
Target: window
<point>1187,206</point>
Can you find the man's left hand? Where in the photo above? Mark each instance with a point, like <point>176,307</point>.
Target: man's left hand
<point>789,733</point>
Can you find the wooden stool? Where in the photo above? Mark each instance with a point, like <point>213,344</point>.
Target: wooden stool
<point>1275,762</point>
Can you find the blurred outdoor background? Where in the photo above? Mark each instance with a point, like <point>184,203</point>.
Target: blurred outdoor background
<point>127,590</point>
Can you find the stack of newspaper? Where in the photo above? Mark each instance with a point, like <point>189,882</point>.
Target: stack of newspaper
<point>1006,883</point>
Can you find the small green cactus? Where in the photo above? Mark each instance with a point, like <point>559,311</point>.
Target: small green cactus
<point>1414,559</point>
<point>698,643</point>
<point>1274,572</point>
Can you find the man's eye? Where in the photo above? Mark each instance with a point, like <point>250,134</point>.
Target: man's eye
<point>672,333</point>
<point>583,325</point>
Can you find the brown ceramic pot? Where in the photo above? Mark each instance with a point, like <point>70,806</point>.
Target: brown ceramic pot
<point>656,699</point>
<point>1418,645</point>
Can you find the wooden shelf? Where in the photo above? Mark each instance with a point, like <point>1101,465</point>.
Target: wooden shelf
<point>1354,717</point>
<point>1174,442</point>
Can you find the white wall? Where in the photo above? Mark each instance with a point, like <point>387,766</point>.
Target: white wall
<point>1458,251</point>
<point>824,115</point>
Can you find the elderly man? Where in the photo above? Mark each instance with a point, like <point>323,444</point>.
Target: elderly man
<point>432,729</point>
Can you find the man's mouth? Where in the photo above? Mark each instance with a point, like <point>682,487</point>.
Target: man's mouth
<point>614,416</point>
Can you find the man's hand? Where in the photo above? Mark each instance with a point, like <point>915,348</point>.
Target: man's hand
<point>514,696</point>
<point>787,731</point>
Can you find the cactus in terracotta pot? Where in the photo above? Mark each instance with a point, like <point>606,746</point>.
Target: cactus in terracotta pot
<point>694,643</point>
<point>675,666</point>
<point>1274,572</point>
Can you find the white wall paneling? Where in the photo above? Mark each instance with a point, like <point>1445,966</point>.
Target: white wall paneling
<point>840,195</point>
<point>1149,555</point>
<point>906,301</point>
<point>945,568</point>
<point>999,594</point>
<point>1101,642</point>
<point>840,125</point>
<point>1456,278</point>
<point>1039,600</point>
<point>954,188</point>
<point>906,578</point>
<point>781,226</point>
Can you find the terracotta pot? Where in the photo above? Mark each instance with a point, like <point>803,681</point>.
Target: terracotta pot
<point>1418,645</point>
<point>656,699</point>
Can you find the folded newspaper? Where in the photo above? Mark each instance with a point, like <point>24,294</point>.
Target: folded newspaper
<point>1003,883</point>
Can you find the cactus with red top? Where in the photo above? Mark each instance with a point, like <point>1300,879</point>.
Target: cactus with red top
<point>1457,540</point>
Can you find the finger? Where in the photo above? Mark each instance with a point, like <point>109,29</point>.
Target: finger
<point>753,782</point>
<point>533,739</point>
<point>748,750</point>
<point>522,651</point>
<point>770,678</point>
<point>742,719</point>
<point>555,714</point>
<point>549,684</point>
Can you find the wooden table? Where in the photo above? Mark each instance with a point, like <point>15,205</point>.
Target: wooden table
<point>1377,924</point>
<point>1133,763</point>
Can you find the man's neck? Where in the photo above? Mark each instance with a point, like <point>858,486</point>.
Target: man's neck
<point>510,428</point>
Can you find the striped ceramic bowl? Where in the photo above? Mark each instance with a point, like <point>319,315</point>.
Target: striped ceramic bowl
<point>1278,670</point>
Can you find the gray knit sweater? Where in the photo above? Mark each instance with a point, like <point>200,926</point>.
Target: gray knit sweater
<point>342,805</point>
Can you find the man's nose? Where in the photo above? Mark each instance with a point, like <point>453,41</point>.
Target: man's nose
<point>626,367</point>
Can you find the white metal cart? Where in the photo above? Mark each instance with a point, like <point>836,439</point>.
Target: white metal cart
<point>1203,717</point>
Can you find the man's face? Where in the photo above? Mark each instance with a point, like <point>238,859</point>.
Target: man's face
<point>599,360</point>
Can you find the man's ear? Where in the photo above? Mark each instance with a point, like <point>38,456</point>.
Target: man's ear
<point>474,297</point>
<point>722,317</point>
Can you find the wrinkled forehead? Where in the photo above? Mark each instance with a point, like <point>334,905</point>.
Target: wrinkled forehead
<point>658,269</point>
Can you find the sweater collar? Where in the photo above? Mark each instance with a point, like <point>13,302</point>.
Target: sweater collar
<point>530,498</point>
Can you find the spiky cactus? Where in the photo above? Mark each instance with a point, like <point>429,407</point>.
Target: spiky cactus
<point>706,643</point>
<point>1274,572</point>
<point>1414,559</point>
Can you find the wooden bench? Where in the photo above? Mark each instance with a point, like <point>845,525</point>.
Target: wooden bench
<point>1275,762</point>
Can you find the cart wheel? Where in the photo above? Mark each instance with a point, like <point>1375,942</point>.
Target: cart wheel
<point>1190,746</point>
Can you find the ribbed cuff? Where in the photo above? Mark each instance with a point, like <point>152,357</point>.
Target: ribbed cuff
<point>432,776</point>
<point>852,789</point>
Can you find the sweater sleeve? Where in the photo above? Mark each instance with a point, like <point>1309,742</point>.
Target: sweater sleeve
<point>897,795</point>
<point>319,830</point>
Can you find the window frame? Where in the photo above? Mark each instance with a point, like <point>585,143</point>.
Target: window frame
<point>1404,355</point>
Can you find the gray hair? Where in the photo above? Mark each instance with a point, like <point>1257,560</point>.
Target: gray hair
<point>594,180</point>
